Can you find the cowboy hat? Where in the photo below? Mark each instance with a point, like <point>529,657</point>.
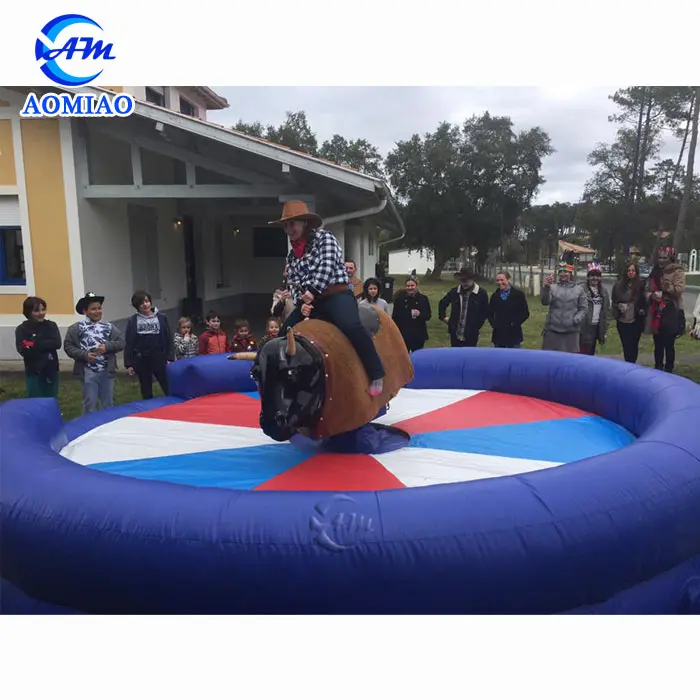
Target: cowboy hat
<point>466,273</point>
<point>89,298</point>
<point>298,211</point>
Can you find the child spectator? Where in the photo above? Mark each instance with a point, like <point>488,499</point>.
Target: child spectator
<point>213,340</point>
<point>37,340</point>
<point>242,340</point>
<point>185,341</point>
<point>370,295</point>
<point>149,345</point>
<point>93,344</point>
<point>272,330</point>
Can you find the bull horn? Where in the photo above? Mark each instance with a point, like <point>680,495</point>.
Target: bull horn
<point>291,343</point>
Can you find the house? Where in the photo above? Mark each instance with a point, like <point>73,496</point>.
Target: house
<point>162,200</point>
<point>403,261</point>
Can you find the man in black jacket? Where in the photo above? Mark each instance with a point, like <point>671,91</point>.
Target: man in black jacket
<point>508,311</point>
<point>469,310</point>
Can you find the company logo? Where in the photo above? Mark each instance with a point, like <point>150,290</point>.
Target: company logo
<point>70,51</point>
<point>337,524</point>
<point>78,52</point>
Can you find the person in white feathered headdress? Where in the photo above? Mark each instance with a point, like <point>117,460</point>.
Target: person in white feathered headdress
<point>595,322</point>
<point>695,332</point>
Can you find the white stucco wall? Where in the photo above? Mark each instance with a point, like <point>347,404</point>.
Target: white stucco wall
<point>401,262</point>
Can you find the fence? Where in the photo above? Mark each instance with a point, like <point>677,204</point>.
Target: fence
<point>529,278</point>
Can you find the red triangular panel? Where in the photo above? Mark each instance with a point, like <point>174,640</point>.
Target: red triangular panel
<point>334,472</point>
<point>486,409</point>
<point>216,409</point>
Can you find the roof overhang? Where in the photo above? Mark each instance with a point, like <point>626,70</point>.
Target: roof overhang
<point>387,214</point>
<point>211,99</point>
<point>578,249</point>
<point>244,142</point>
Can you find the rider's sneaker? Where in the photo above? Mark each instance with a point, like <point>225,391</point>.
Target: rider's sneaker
<point>376,387</point>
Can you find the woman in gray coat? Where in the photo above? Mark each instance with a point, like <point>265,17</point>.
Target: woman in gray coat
<point>567,309</point>
<point>595,323</point>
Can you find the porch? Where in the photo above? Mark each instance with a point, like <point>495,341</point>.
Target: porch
<point>181,207</point>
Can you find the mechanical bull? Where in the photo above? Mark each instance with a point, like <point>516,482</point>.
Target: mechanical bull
<point>312,382</point>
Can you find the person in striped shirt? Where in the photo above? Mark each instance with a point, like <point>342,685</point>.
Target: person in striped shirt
<point>320,286</point>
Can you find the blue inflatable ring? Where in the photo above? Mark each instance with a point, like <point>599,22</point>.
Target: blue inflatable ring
<point>618,532</point>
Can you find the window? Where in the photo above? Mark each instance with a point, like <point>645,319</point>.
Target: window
<point>11,256</point>
<point>156,96</point>
<point>187,108</point>
<point>269,242</point>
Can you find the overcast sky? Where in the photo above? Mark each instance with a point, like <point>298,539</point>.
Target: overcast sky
<point>575,118</point>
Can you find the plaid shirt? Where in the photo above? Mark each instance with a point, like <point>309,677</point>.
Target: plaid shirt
<point>321,265</point>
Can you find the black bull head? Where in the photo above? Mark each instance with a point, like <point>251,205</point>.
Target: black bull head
<point>290,376</point>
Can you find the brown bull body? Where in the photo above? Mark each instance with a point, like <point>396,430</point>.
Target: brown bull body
<point>347,402</point>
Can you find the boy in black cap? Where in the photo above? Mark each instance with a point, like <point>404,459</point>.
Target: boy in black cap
<point>94,344</point>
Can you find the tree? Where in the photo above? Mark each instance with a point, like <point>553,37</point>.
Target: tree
<point>685,202</point>
<point>545,225</point>
<point>682,134</point>
<point>252,129</point>
<point>295,132</point>
<point>615,178</point>
<point>650,110</point>
<point>466,185</point>
<point>359,154</point>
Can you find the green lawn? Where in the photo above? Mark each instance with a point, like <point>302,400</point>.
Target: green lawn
<point>127,388</point>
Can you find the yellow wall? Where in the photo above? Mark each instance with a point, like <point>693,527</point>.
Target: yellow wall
<point>41,144</point>
<point>12,303</point>
<point>7,154</point>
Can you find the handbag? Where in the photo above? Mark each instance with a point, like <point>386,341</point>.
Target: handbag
<point>673,321</point>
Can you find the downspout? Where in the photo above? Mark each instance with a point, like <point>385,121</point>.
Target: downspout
<point>386,199</point>
<point>356,214</point>
<point>401,226</point>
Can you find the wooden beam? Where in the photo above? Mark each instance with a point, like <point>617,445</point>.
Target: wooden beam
<point>190,174</point>
<point>136,169</point>
<point>181,191</point>
<point>177,153</point>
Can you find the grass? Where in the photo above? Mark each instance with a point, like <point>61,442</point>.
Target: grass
<point>127,388</point>
<point>693,280</point>
<point>70,398</point>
